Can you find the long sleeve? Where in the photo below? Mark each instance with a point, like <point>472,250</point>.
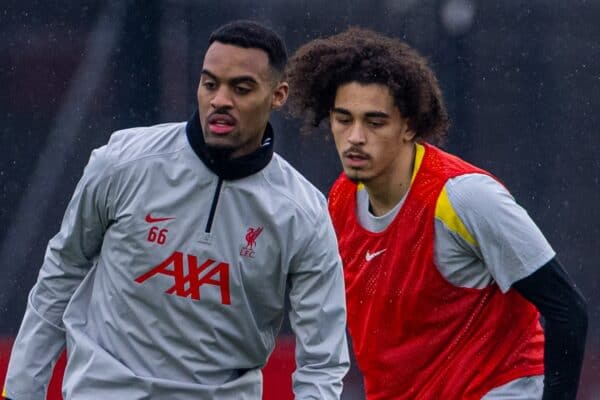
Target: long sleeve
<point>565,315</point>
<point>67,260</point>
<point>318,316</point>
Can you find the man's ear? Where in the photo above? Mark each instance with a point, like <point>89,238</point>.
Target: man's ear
<point>280,95</point>
<point>408,133</point>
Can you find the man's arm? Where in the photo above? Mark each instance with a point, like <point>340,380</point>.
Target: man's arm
<point>41,337</point>
<point>318,315</point>
<point>518,256</point>
<point>565,314</point>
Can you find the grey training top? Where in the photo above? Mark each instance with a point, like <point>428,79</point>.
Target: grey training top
<point>151,305</point>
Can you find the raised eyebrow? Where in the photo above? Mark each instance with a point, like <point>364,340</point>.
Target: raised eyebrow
<point>369,114</point>
<point>341,111</point>
<point>243,79</point>
<point>234,81</point>
<point>376,114</point>
<point>209,74</point>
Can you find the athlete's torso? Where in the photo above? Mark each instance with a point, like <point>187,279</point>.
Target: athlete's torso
<point>170,297</point>
<point>404,316</point>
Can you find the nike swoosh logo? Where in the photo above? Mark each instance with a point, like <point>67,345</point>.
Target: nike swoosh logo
<point>150,219</point>
<point>370,256</point>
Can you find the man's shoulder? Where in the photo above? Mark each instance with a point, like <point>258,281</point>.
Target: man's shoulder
<point>444,165</point>
<point>476,191</point>
<point>136,143</point>
<point>288,182</point>
<point>342,187</point>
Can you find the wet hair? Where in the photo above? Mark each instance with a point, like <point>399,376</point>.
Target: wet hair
<point>359,55</point>
<point>251,34</point>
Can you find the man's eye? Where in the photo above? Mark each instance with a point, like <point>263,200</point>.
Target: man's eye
<point>376,124</point>
<point>242,90</point>
<point>343,121</point>
<point>209,85</point>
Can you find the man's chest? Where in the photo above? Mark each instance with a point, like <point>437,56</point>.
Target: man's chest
<point>201,241</point>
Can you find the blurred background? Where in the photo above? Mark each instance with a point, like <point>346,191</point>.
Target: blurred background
<point>521,81</point>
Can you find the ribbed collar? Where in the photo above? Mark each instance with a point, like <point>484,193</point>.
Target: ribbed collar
<point>226,168</point>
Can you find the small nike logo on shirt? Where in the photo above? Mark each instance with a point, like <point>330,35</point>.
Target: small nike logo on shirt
<point>151,219</point>
<point>370,256</point>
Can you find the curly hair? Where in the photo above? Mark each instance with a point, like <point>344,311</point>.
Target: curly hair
<point>319,67</point>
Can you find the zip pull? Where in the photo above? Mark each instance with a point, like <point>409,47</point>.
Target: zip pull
<point>206,238</point>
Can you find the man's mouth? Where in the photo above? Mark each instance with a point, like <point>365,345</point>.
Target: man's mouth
<point>221,124</point>
<point>355,158</point>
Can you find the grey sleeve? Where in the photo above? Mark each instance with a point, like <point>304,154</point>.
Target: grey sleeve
<point>318,315</point>
<point>68,256</point>
<point>510,243</point>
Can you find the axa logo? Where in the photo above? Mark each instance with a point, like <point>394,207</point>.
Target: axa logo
<point>208,272</point>
<point>251,235</point>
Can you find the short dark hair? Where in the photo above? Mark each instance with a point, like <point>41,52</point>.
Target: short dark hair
<point>319,67</point>
<point>251,34</point>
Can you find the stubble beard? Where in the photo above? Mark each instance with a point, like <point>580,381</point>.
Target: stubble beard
<point>354,176</point>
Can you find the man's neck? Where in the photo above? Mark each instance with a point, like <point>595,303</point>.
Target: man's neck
<point>229,168</point>
<point>386,190</point>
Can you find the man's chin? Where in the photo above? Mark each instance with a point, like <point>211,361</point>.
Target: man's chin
<point>354,176</point>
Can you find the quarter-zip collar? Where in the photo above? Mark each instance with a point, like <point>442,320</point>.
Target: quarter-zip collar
<point>226,168</point>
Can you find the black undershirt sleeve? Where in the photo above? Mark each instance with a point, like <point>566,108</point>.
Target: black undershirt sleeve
<point>565,319</point>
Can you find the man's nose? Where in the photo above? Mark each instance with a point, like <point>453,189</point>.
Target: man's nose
<point>356,134</point>
<point>222,98</point>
